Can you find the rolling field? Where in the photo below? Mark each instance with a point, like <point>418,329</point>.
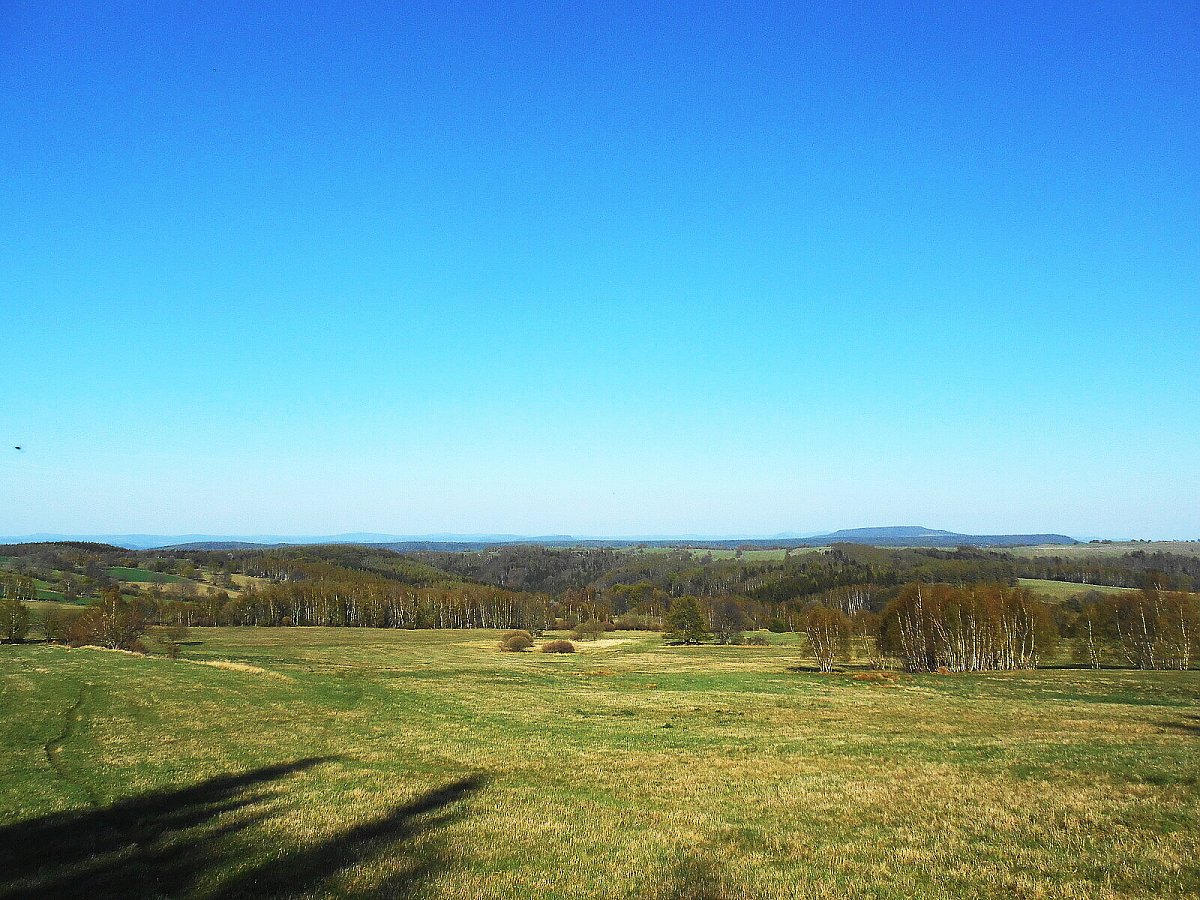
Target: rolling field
<point>355,762</point>
<point>1116,548</point>
<point>1062,590</point>
<point>122,573</point>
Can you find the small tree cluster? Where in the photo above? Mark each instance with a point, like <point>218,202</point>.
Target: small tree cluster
<point>729,621</point>
<point>56,623</point>
<point>111,622</point>
<point>828,632</point>
<point>1149,629</point>
<point>591,630</point>
<point>967,629</point>
<point>18,587</point>
<point>684,623</point>
<point>14,620</point>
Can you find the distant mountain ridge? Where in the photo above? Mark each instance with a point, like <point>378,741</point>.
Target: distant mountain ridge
<point>919,536</point>
<point>222,541</point>
<point>887,536</point>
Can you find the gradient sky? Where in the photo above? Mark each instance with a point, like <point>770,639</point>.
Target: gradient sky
<point>743,270</point>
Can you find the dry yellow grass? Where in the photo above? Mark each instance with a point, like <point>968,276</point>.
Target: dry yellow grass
<point>633,770</point>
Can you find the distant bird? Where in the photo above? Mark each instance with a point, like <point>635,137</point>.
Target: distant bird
<point>16,448</point>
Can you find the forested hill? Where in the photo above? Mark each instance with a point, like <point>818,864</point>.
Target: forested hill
<point>622,578</point>
<point>919,536</point>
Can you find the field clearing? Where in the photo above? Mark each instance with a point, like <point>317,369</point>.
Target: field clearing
<point>1117,548</point>
<point>319,762</point>
<point>122,573</point>
<point>202,587</point>
<point>1063,590</point>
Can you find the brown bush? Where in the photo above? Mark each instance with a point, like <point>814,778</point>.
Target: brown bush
<point>559,646</point>
<point>516,641</point>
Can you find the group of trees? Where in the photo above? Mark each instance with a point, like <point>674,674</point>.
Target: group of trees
<point>1136,569</point>
<point>1149,629</point>
<point>365,601</point>
<point>112,621</point>
<point>940,627</point>
<point>14,620</point>
<point>917,608</point>
<point>974,629</point>
<point>14,586</point>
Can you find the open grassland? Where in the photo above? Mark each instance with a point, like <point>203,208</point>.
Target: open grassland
<point>316,762</point>
<point>1055,591</point>
<point>1116,548</point>
<point>123,573</point>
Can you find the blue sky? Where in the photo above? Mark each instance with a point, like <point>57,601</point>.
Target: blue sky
<point>742,270</point>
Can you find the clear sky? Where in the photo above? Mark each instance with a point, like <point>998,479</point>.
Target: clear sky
<point>321,267</point>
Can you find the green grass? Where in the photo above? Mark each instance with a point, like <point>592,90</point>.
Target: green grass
<point>1063,590</point>
<point>121,573</point>
<point>1116,548</point>
<point>629,769</point>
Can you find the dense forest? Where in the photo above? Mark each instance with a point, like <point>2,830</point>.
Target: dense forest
<point>918,608</point>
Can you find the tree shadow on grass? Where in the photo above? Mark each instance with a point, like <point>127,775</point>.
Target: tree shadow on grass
<point>1189,725</point>
<point>177,843</point>
<point>372,840</point>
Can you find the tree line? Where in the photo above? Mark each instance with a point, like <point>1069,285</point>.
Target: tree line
<point>918,609</point>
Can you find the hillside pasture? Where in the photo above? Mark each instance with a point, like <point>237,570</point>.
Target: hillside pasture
<point>1057,591</point>
<point>137,576</point>
<point>1114,548</point>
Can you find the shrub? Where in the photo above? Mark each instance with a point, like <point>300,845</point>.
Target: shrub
<point>756,640</point>
<point>559,646</point>
<point>516,641</point>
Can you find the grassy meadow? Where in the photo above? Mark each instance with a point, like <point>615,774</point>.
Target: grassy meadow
<point>356,762</point>
<point>136,575</point>
<point>1055,591</point>
<point>1083,551</point>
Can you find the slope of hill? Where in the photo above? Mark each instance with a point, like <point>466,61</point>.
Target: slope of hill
<point>919,536</point>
